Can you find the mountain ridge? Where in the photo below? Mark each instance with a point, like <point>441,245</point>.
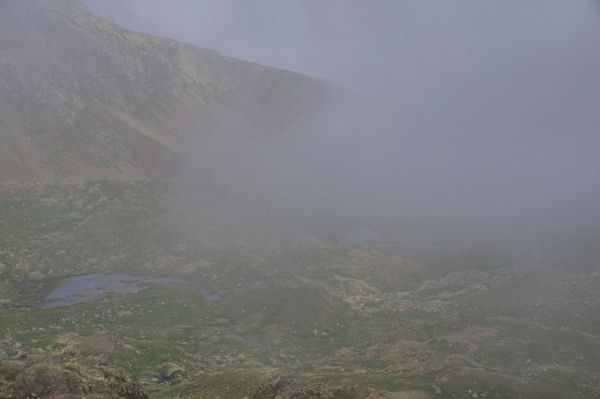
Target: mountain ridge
<point>83,97</point>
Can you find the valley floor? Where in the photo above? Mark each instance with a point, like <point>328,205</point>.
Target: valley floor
<point>325,320</point>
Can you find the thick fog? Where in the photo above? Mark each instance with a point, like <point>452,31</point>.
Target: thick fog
<point>478,110</point>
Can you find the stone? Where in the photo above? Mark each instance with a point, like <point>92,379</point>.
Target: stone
<point>101,341</point>
<point>172,371</point>
<point>37,275</point>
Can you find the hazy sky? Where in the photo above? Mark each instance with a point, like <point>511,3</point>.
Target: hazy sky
<point>486,94</point>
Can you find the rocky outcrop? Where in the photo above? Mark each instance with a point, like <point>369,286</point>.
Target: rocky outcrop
<point>8,345</point>
<point>36,373</point>
<point>300,390</point>
<point>172,371</point>
<point>54,381</point>
<point>102,341</point>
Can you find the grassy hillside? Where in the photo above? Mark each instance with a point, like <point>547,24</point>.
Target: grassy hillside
<point>83,97</point>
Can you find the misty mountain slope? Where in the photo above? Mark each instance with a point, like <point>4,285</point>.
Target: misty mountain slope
<point>83,97</point>
<point>179,224</point>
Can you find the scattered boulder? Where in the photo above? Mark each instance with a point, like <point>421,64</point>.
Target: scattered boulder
<point>172,371</point>
<point>37,351</point>
<point>78,203</point>
<point>253,338</point>
<point>37,275</point>
<point>68,341</point>
<point>152,387</point>
<point>9,345</point>
<point>101,341</point>
<point>95,189</point>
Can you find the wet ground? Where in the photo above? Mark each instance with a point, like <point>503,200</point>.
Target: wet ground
<point>93,287</point>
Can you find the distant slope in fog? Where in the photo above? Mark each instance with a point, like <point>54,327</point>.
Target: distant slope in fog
<point>82,97</point>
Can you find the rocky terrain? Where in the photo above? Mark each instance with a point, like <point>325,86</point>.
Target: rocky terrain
<point>327,320</point>
<point>218,289</point>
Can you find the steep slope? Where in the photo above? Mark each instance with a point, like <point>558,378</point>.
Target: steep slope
<point>82,97</point>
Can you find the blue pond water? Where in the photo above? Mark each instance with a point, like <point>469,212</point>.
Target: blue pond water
<point>92,287</point>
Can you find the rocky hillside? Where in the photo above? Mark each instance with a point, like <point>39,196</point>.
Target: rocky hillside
<point>83,97</point>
